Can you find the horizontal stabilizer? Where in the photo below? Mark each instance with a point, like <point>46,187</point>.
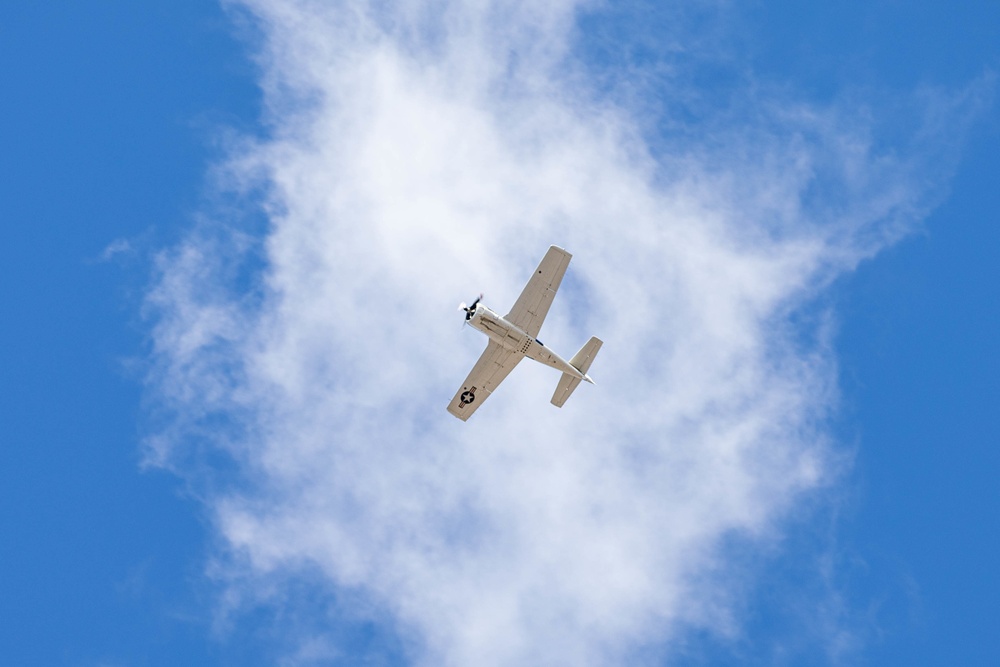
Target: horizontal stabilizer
<point>567,383</point>
<point>581,361</point>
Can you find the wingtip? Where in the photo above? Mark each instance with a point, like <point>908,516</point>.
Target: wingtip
<point>458,415</point>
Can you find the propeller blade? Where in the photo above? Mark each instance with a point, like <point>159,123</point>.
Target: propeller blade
<point>469,310</point>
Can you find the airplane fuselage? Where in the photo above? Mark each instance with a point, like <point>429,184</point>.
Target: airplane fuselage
<point>514,339</point>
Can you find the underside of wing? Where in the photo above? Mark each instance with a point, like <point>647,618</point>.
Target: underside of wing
<point>531,307</point>
<point>493,366</point>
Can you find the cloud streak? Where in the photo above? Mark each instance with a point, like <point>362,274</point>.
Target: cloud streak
<point>416,154</point>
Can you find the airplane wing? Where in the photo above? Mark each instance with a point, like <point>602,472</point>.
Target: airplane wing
<point>531,307</point>
<point>492,367</point>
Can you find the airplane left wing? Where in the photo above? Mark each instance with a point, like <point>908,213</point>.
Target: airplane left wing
<point>492,367</point>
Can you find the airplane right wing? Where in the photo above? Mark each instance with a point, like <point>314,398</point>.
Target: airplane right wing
<point>532,306</point>
<point>493,366</point>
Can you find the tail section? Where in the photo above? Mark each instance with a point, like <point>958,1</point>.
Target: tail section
<point>581,361</point>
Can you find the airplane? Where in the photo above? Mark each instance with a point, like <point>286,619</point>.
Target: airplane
<point>513,337</point>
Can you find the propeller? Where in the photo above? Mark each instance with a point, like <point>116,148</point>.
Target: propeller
<point>470,310</point>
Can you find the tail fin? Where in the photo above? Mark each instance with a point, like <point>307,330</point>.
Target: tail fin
<point>581,361</point>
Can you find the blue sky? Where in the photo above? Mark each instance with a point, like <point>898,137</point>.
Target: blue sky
<point>145,525</point>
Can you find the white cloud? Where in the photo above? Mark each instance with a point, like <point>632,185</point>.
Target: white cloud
<point>116,247</point>
<point>418,154</point>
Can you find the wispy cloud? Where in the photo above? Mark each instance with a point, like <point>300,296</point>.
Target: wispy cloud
<point>418,153</point>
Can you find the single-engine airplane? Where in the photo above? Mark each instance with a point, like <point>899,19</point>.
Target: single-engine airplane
<point>513,337</point>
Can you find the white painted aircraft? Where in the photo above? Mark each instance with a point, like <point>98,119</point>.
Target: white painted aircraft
<point>512,338</point>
